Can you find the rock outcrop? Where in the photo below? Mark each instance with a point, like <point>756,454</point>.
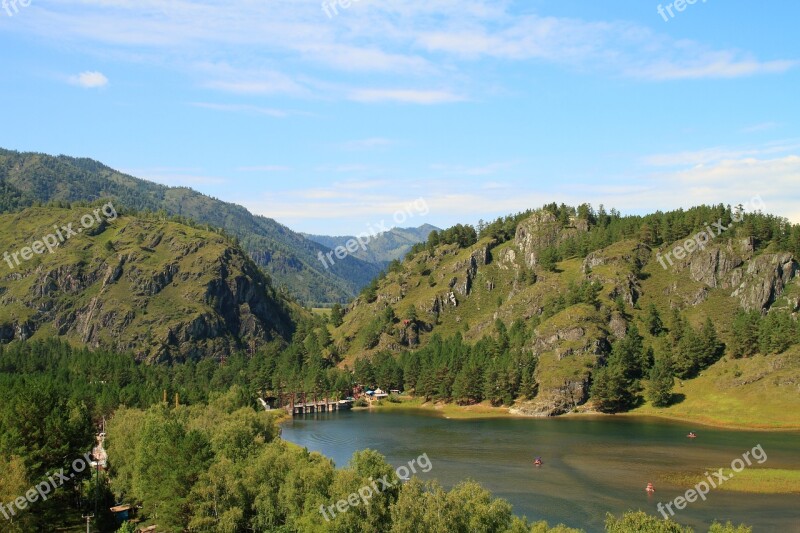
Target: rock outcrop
<point>569,346</point>
<point>764,280</point>
<point>541,230</point>
<point>155,289</point>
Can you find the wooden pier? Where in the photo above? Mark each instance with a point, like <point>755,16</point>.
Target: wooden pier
<point>300,403</point>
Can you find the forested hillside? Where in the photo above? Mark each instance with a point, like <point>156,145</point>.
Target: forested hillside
<point>291,259</point>
<point>143,284</point>
<point>212,462</point>
<point>564,309</point>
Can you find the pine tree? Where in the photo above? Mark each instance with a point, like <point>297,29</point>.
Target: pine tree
<point>744,342</point>
<point>468,385</point>
<point>610,389</point>
<point>690,350</point>
<point>712,347</point>
<point>336,315</point>
<point>659,391</point>
<point>676,326</point>
<point>548,258</point>
<point>628,352</point>
<point>653,321</point>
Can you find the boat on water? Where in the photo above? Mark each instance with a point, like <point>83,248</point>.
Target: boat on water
<point>538,461</point>
<point>691,435</point>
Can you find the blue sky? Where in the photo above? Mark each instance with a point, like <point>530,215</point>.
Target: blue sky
<point>481,108</point>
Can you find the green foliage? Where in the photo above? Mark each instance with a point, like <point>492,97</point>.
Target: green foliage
<point>504,228</point>
<point>653,321</point>
<point>659,391</point>
<point>610,389</point>
<point>497,368</point>
<point>728,527</point>
<point>383,323</point>
<point>336,316</point>
<point>370,292</point>
<point>461,235</point>
<point>127,527</point>
<point>770,334</point>
<point>548,258</point>
<point>217,464</point>
<point>585,292</point>
<point>695,350</point>
<point>776,332</point>
<point>636,522</point>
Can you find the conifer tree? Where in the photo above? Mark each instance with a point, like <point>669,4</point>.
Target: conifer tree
<point>659,391</point>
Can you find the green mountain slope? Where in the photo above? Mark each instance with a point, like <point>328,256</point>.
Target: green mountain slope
<point>290,259</point>
<point>382,248</point>
<point>157,288</point>
<point>550,294</point>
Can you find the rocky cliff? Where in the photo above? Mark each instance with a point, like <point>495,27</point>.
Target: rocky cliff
<point>159,289</point>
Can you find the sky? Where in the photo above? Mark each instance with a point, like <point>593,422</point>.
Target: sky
<point>333,117</point>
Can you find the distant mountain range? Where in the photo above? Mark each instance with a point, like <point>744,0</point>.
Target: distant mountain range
<point>382,248</point>
<point>292,260</point>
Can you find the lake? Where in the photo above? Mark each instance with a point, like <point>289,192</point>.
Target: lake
<point>591,464</point>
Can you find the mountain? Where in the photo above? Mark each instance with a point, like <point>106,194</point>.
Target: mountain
<point>290,259</point>
<point>380,249</point>
<point>536,307</point>
<point>142,284</point>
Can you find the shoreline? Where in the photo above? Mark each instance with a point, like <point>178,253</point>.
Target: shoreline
<point>482,411</point>
<point>759,481</point>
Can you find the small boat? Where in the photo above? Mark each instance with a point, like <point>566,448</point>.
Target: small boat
<point>691,435</point>
<point>538,461</point>
<point>650,488</point>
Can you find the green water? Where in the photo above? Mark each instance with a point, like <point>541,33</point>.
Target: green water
<point>592,465</point>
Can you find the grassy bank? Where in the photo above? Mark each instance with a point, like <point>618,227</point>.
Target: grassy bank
<point>445,410</point>
<point>752,480</point>
<point>697,412</point>
<point>756,393</point>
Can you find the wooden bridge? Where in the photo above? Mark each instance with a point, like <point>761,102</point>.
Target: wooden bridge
<point>299,403</point>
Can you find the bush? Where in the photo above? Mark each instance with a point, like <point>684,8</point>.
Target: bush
<point>361,402</point>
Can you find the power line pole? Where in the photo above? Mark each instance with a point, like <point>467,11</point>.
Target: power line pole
<point>88,520</point>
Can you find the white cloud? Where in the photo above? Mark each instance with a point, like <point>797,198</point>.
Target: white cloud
<point>764,126</point>
<point>265,168</point>
<point>727,175</point>
<point>289,47</point>
<point>405,96</point>
<point>717,154</point>
<point>244,108</point>
<point>89,80</point>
